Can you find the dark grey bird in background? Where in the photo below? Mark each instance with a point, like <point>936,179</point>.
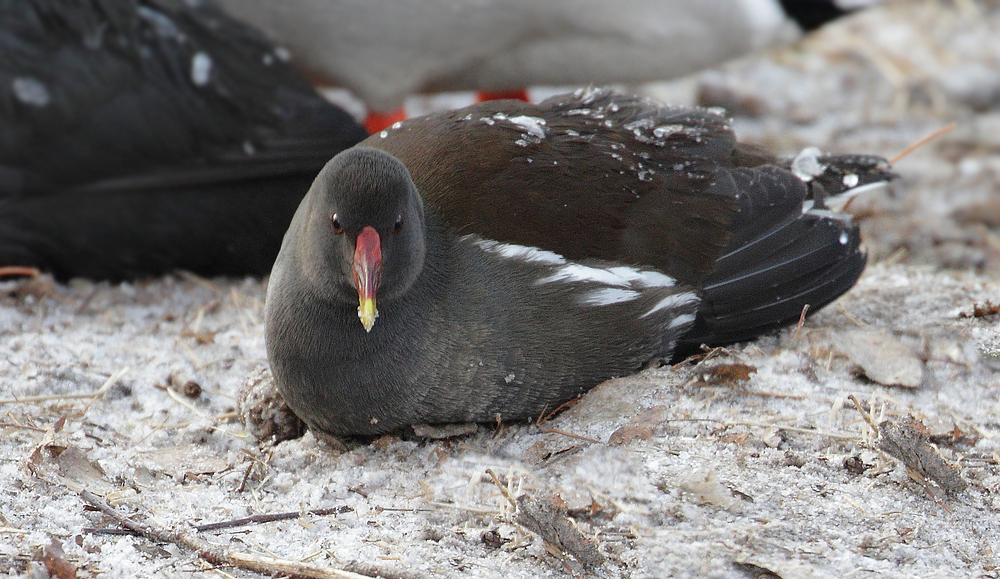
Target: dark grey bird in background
<point>142,136</point>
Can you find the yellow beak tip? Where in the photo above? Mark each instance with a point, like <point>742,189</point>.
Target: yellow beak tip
<point>367,314</point>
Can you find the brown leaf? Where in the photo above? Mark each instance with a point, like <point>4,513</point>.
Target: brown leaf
<point>955,437</point>
<point>75,466</point>
<point>644,426</point>
<point>907,440</point>
<point>56,562</point>
<point>730,374</point>
<point>982,310</point>
<point>739,439</point>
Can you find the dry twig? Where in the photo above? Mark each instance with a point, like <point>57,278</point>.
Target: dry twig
<point>802,321</point>
<point>217,555</point>
<point>271,517</point>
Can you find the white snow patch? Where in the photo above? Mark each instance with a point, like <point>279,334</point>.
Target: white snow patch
<point>534,126</point>
<point>667,130</point>
<point>201,68</point>
<point>31,91</point>
<point>806,165</point>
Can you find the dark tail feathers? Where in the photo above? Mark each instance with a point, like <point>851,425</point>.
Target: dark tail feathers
<point>788,250</point>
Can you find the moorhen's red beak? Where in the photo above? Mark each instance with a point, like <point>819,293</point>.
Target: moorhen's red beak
<point>367,273</point>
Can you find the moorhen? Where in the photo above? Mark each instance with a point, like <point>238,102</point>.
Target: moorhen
<point>140,136</point>
<point>491,262</point>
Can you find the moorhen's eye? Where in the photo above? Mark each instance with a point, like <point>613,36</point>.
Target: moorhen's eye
<point>399,224</point>
<point>338,228</point>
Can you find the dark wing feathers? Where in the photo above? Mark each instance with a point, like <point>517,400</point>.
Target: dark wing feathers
<point>779,259</point>
<point>653,193</point>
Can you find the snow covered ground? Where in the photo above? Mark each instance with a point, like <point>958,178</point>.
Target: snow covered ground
<point>754,460</point>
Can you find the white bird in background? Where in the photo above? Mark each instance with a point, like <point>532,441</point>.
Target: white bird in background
<point>385,50</point>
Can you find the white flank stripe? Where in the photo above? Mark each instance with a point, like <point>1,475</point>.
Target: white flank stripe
<point>609,295</point>
<point>644,278</point>
<point>673,301</point>
<point>657,279</point>
<point>521,252</point>
<point>681,320</point>
<point>626,273</point>
<point>577,272</point>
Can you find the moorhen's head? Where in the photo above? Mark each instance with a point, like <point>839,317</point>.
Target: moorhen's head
<point>366,230</point>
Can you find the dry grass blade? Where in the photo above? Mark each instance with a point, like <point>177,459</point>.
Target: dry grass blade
<point>921,142</point>
<point>104,387</point>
